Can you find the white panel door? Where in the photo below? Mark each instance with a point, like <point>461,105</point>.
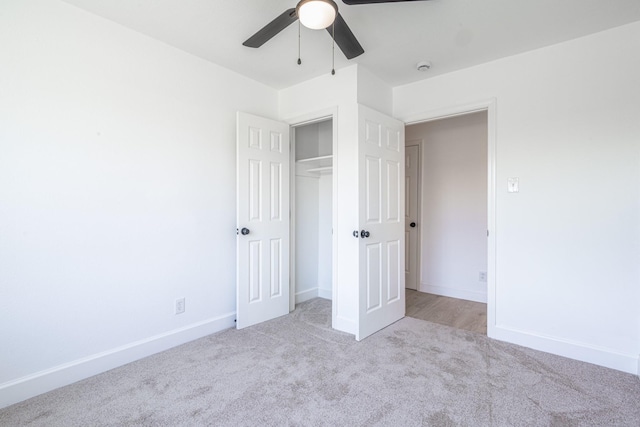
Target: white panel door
<point>381,177</point>
<point>411,200</point>
<point>262,219</point>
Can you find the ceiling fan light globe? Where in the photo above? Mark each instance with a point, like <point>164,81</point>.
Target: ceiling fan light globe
<point>317,14</point>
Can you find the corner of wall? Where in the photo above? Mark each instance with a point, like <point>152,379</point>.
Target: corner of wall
<point>59,376</point>
<point>374,92</point>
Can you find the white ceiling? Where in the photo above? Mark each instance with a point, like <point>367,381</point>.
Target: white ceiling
<point>452,34</point>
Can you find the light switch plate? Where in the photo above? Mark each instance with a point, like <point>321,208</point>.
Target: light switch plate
<point>513,185</point>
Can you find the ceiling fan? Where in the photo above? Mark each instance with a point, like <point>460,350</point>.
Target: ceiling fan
<point>317,15</point>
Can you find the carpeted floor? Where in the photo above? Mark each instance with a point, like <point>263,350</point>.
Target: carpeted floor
<point>297,371</point>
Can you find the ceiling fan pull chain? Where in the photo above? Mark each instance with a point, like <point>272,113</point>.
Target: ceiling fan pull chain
<point>333,50</point>
<point>299,60</point>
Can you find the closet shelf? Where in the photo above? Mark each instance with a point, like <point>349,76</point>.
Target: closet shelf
<point>314,166</point>
<point>322,169</point>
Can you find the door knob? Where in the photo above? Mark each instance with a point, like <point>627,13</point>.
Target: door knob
<point>412,225</point>
<point>364,234</point>
<point>244,231</point>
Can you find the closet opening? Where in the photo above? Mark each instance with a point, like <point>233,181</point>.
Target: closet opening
<point>312,213</point>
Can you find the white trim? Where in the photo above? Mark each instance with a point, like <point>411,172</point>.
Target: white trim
<point>343,324</point>
<point>445,291</point>
<point>306,295</point>
<point>313,117</point>
<point>295,122</point>
<point>572,349</point>
<point>292,219</point>
<point>325,293</point>
<point>448,112</point>
<point>488,105</point>
<point>59,376</point>
<point>317,116</point>
<point>417,143</point>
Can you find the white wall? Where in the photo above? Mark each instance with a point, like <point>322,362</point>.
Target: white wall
<point>453,221</point>
<point>325,138</point>
<point>313,248</point>
<point>306,138</point>
<point>117,194</point>
<point>373,92</point>
<point>306,234</point>
<point>325,235</point>
<point>568,244</point>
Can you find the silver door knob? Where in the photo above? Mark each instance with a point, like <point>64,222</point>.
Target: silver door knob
<point>244,231</point>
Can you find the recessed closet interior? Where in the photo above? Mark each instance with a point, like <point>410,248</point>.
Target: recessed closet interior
<point>312,210</point>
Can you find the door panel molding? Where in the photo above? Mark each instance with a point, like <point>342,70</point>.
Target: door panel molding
<point>261,213</point>
<point>381,216</point>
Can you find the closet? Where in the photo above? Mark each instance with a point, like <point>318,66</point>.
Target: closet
<point>315,221</point>
<point>312,211</point>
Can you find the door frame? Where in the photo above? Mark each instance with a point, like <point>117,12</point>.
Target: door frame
<point>488,105</point>
<point>417,143</point>
<point>293,122</point>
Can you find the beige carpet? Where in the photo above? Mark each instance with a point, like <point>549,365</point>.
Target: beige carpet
<point>296,371</point>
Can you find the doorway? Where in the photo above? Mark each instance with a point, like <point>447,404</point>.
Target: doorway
<point>312,211</point>
<point>448,256</point>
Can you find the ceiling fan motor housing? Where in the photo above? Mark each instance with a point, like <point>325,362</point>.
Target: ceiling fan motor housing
<point>316,14</point>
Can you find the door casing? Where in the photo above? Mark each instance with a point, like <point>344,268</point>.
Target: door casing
<point>490,106</point>
<point>418,204</point>
<point>314,117</point>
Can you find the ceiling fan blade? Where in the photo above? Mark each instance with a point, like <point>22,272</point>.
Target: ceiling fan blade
<point>287,18</point>
<point>356,2</point>
<point>345,39</point>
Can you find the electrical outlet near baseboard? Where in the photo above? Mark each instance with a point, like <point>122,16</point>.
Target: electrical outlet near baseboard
<point>482,276</point>
<point>180,306</point>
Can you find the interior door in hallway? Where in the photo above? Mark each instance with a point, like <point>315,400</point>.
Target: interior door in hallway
<point>381,160</point>
<point>262,219</point>
<point>411,200</point>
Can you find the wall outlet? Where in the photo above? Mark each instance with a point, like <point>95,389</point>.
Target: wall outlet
<point>180,306</point>
<point>483,276</point>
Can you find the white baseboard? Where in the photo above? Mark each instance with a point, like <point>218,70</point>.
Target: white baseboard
<point>41,382</point>
<point>344,325</point>
<point>313,293</point>
<point>306,295</point>
<point>477,296</point>
<point>574,350</point>
<point>325,293</point>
